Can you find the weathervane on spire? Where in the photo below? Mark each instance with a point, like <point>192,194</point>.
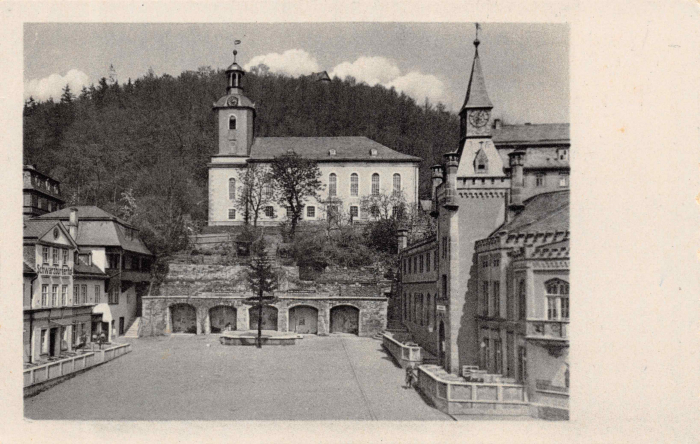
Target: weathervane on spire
<point>235,43</point>
<point>476,39</point>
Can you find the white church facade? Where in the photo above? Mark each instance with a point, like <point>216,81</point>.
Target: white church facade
<point>352,167</point>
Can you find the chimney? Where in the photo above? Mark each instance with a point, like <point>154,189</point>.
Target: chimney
<point>497,124</point>
<point>517,159</point>
<point>73,224</point>
<point>402,237</point>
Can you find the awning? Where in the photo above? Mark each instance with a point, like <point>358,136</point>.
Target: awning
<point>61,321</point>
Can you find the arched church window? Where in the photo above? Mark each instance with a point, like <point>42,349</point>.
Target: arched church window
<point>397,184</point>
<point>354,184</point>
<point>375,184</point>
<point>332,185</point>
<point>232,122</point>
<point>232,188</point>
<point>481,162</point>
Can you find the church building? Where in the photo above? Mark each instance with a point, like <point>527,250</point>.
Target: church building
<point>351,167</point>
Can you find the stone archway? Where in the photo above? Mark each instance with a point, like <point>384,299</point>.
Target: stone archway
<point>303,319</point>
<point>183,318</point>
<point>222,318</point>
<point>269,318</point>
<point>345,319</point>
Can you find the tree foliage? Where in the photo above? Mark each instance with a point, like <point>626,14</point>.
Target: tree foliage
<point>262,279</point>
<point>258,190</point>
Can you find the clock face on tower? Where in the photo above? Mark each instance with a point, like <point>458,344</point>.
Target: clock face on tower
<point>479,118</point>
<point>232,101</point>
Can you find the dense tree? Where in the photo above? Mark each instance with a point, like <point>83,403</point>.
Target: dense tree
<point>298,179</point>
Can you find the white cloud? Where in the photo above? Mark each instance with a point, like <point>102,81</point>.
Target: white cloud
<point>371,70</point>
<point>382,71</point>
<point>293,62</point>
<point>52,86</point>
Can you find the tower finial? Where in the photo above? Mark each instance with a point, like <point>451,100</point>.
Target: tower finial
<point>235,52</point>
<point>476,39</point>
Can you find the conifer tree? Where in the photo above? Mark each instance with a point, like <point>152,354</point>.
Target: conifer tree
<point>262,279</point>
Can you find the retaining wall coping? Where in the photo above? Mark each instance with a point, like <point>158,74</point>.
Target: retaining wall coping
<point>293,297</point>
<point>465,383</point>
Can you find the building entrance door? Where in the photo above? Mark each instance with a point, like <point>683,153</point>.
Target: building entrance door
<point>53,342</point>
<point>121,326</point>
<point>441,344</point>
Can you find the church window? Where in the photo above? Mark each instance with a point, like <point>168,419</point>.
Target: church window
<point>354,212</point>
<point>397,184</point>
<point>481,162</point>
<point>232,122</point>
<point>332,185</point>
<point>539,180</point>
<point>375,184</point>
<point>267,191</point>
<point>354,184</point>
<point>232,189</point>
<point>310,212</point>
<point>232,213</point>
<point>269,211</point>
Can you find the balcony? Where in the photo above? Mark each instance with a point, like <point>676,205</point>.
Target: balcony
<point>552,334</point>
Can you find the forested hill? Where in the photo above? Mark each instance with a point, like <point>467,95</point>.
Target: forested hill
<point>145,144</point>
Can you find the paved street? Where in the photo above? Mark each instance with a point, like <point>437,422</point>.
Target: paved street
<point>184,377</point>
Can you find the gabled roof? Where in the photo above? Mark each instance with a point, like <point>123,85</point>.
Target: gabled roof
<point>477,96</point>
<point>531,134</point>
<point>35,229</point>
<point>355,148</point>
<point>85,269</point>
<point>27,269</point>
<point>542,213</point>
<point>96,227</point>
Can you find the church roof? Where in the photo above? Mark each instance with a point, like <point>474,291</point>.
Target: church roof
<point>531,134</point>
<point>476,97</point>
<point>327,149</point>
<point>544,212</point>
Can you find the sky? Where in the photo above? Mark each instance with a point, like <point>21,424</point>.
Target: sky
<point>526,66</point>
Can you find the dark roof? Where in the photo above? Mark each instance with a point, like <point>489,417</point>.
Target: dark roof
<point>83,268</point>
<point>320,76</point>
<point>35,228</point>
<point>96,227</point>
<point>542,213</point>
<point>27,269</point>
<point>477,96</point>
<point>531,134</point>
<point>319,148</point>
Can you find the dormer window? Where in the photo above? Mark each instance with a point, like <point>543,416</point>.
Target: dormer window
<point>232,122</point>
<point>331,152</point>
<point>481,163</point>
<point>373,152</point>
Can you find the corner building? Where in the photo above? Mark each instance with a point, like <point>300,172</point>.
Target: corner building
<point>458,297</point>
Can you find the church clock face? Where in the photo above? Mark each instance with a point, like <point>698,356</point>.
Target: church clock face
<point>479,118</point>
<point>232,101</point>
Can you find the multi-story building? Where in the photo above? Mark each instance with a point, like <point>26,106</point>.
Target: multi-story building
<point>504,183</point>
<point>56,317</point>
<point>41,194</point>
<point>351,167</point>
<point>112,246</point>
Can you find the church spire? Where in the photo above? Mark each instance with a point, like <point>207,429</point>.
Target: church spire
<point>476,97</point>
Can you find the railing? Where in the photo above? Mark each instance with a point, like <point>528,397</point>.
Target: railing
<point>546,329</point>
<point>63,367</point>
<point>404,354</point>
<point>543,384</point>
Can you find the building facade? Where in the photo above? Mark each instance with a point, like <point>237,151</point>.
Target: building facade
<point>56,317</point>
<point>457,292</point>
<point>114,247</point>
<point>41,194</point>
<point>351,167</point>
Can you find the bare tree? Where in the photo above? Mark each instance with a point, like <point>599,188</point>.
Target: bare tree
<point>258,190</point>
<point>384,206</point>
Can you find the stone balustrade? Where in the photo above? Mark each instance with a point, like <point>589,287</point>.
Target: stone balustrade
<point>403,354</point>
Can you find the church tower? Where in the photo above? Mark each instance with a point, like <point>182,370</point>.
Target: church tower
<point>236,115</point>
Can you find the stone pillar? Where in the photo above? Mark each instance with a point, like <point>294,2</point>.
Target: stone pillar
<point>324,316</point>
<point>242,319</point>
<point>199,320</point>
<point>283,316</point>
<point>168,320</point>
<point>207,322</point>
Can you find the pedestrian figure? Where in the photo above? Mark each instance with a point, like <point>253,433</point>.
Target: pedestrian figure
<point>409,377</point>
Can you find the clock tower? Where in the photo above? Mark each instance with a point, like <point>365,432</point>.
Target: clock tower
<point>236,115</point>
<point>475,115</point>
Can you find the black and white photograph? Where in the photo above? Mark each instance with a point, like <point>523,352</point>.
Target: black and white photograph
<point>330,222</point>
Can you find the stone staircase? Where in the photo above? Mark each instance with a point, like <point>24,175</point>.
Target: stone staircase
<point>133,331</point>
